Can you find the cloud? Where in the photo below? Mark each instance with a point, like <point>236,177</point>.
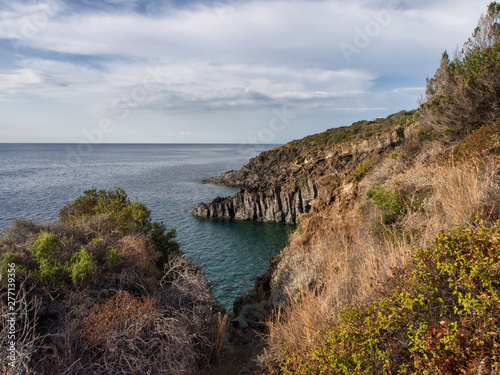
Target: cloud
<point>306,32</point>
<point>404,90</point>
<point>154,58</point>
<point>20,78</point>
<point>186,87</point>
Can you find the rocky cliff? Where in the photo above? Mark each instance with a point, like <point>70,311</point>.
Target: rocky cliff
<point>282,183</point>
<point>270,204</point>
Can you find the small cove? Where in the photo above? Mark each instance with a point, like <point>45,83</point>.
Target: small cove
<point>36,180</point>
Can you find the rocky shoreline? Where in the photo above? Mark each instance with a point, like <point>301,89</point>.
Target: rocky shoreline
<point>281,184</point>
<point>287,185</point>
<point>273,204</point>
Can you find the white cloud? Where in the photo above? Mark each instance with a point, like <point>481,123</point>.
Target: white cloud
<point>278,32</point>
<point>20,78</point>
<point>259,55</point>
<point>185,87</point>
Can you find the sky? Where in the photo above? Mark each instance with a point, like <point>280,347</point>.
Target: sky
<point>225,71</point>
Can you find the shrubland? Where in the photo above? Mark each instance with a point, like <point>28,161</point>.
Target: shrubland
<point>106,290</point>
<point>395,270</point>
<point>401,272</point>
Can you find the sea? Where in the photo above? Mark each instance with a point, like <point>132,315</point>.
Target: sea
<point>36,180</point>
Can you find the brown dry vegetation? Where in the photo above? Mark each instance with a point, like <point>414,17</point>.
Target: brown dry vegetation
<point>350,261</point>
<point>106,292</point>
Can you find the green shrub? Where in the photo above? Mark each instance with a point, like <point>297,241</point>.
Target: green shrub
<point>46,245</point>
<point>164,242</point>
<point>428,135</point>
<point>397,154</point>
<point>52,272</point>
<point>81,265</point>
<point>440,315</point>
<point>385,200</point>
<point>53,267</point>
<point>363,168</point>
<point>126,215</point>
<point>46,249</point>
<point>389,202</point>
<point>111,257</point>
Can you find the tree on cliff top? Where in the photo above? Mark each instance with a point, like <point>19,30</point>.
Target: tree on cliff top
<point>465,91</point>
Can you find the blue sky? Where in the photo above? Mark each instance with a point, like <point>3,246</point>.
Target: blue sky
<point>228,71</point>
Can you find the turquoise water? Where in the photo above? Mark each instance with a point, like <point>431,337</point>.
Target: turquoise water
<point>36,180</point>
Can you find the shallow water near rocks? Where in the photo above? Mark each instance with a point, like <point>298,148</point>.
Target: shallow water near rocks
<point>36,180</point>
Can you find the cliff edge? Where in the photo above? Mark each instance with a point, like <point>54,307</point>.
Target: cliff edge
<point>280,184</point>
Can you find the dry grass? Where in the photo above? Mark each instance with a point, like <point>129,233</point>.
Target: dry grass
<point>187,296</point>
<point>27,340</point>
<point>349,264</point>
<point>178,330</point>
<point>136,250</point>
<point>133,335</point>
<point>466,193</point>
<point>126,318</point>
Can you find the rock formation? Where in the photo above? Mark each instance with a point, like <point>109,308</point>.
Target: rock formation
<point>271,204</point>
<point>281,184</point>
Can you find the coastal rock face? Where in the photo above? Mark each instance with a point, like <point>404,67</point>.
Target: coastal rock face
<point>252,308</point>
<point>282,183</point>
<point>272,204</point>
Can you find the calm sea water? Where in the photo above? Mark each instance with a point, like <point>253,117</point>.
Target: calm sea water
<point>36,180</point>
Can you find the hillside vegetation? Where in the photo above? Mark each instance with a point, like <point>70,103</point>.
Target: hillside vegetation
<point>398,272</point>
<point>104,290</point>
<point>394,269</point>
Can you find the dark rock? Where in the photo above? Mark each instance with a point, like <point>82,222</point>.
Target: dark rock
<point>274,204</point>
<point>254,306</point>
<point>280,184</point>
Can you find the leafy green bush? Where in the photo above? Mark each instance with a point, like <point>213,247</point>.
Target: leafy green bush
<point>440,315</point>
<point>52,265</point>
<point>128,216</point>
<point>163,242</point>
<point>47,250</point>
<point>389,202</point>
<point>363,168</point>
<point>111,257</point>
<point>385,200</point>
<point>81,265</point>
<point>46,245</point>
